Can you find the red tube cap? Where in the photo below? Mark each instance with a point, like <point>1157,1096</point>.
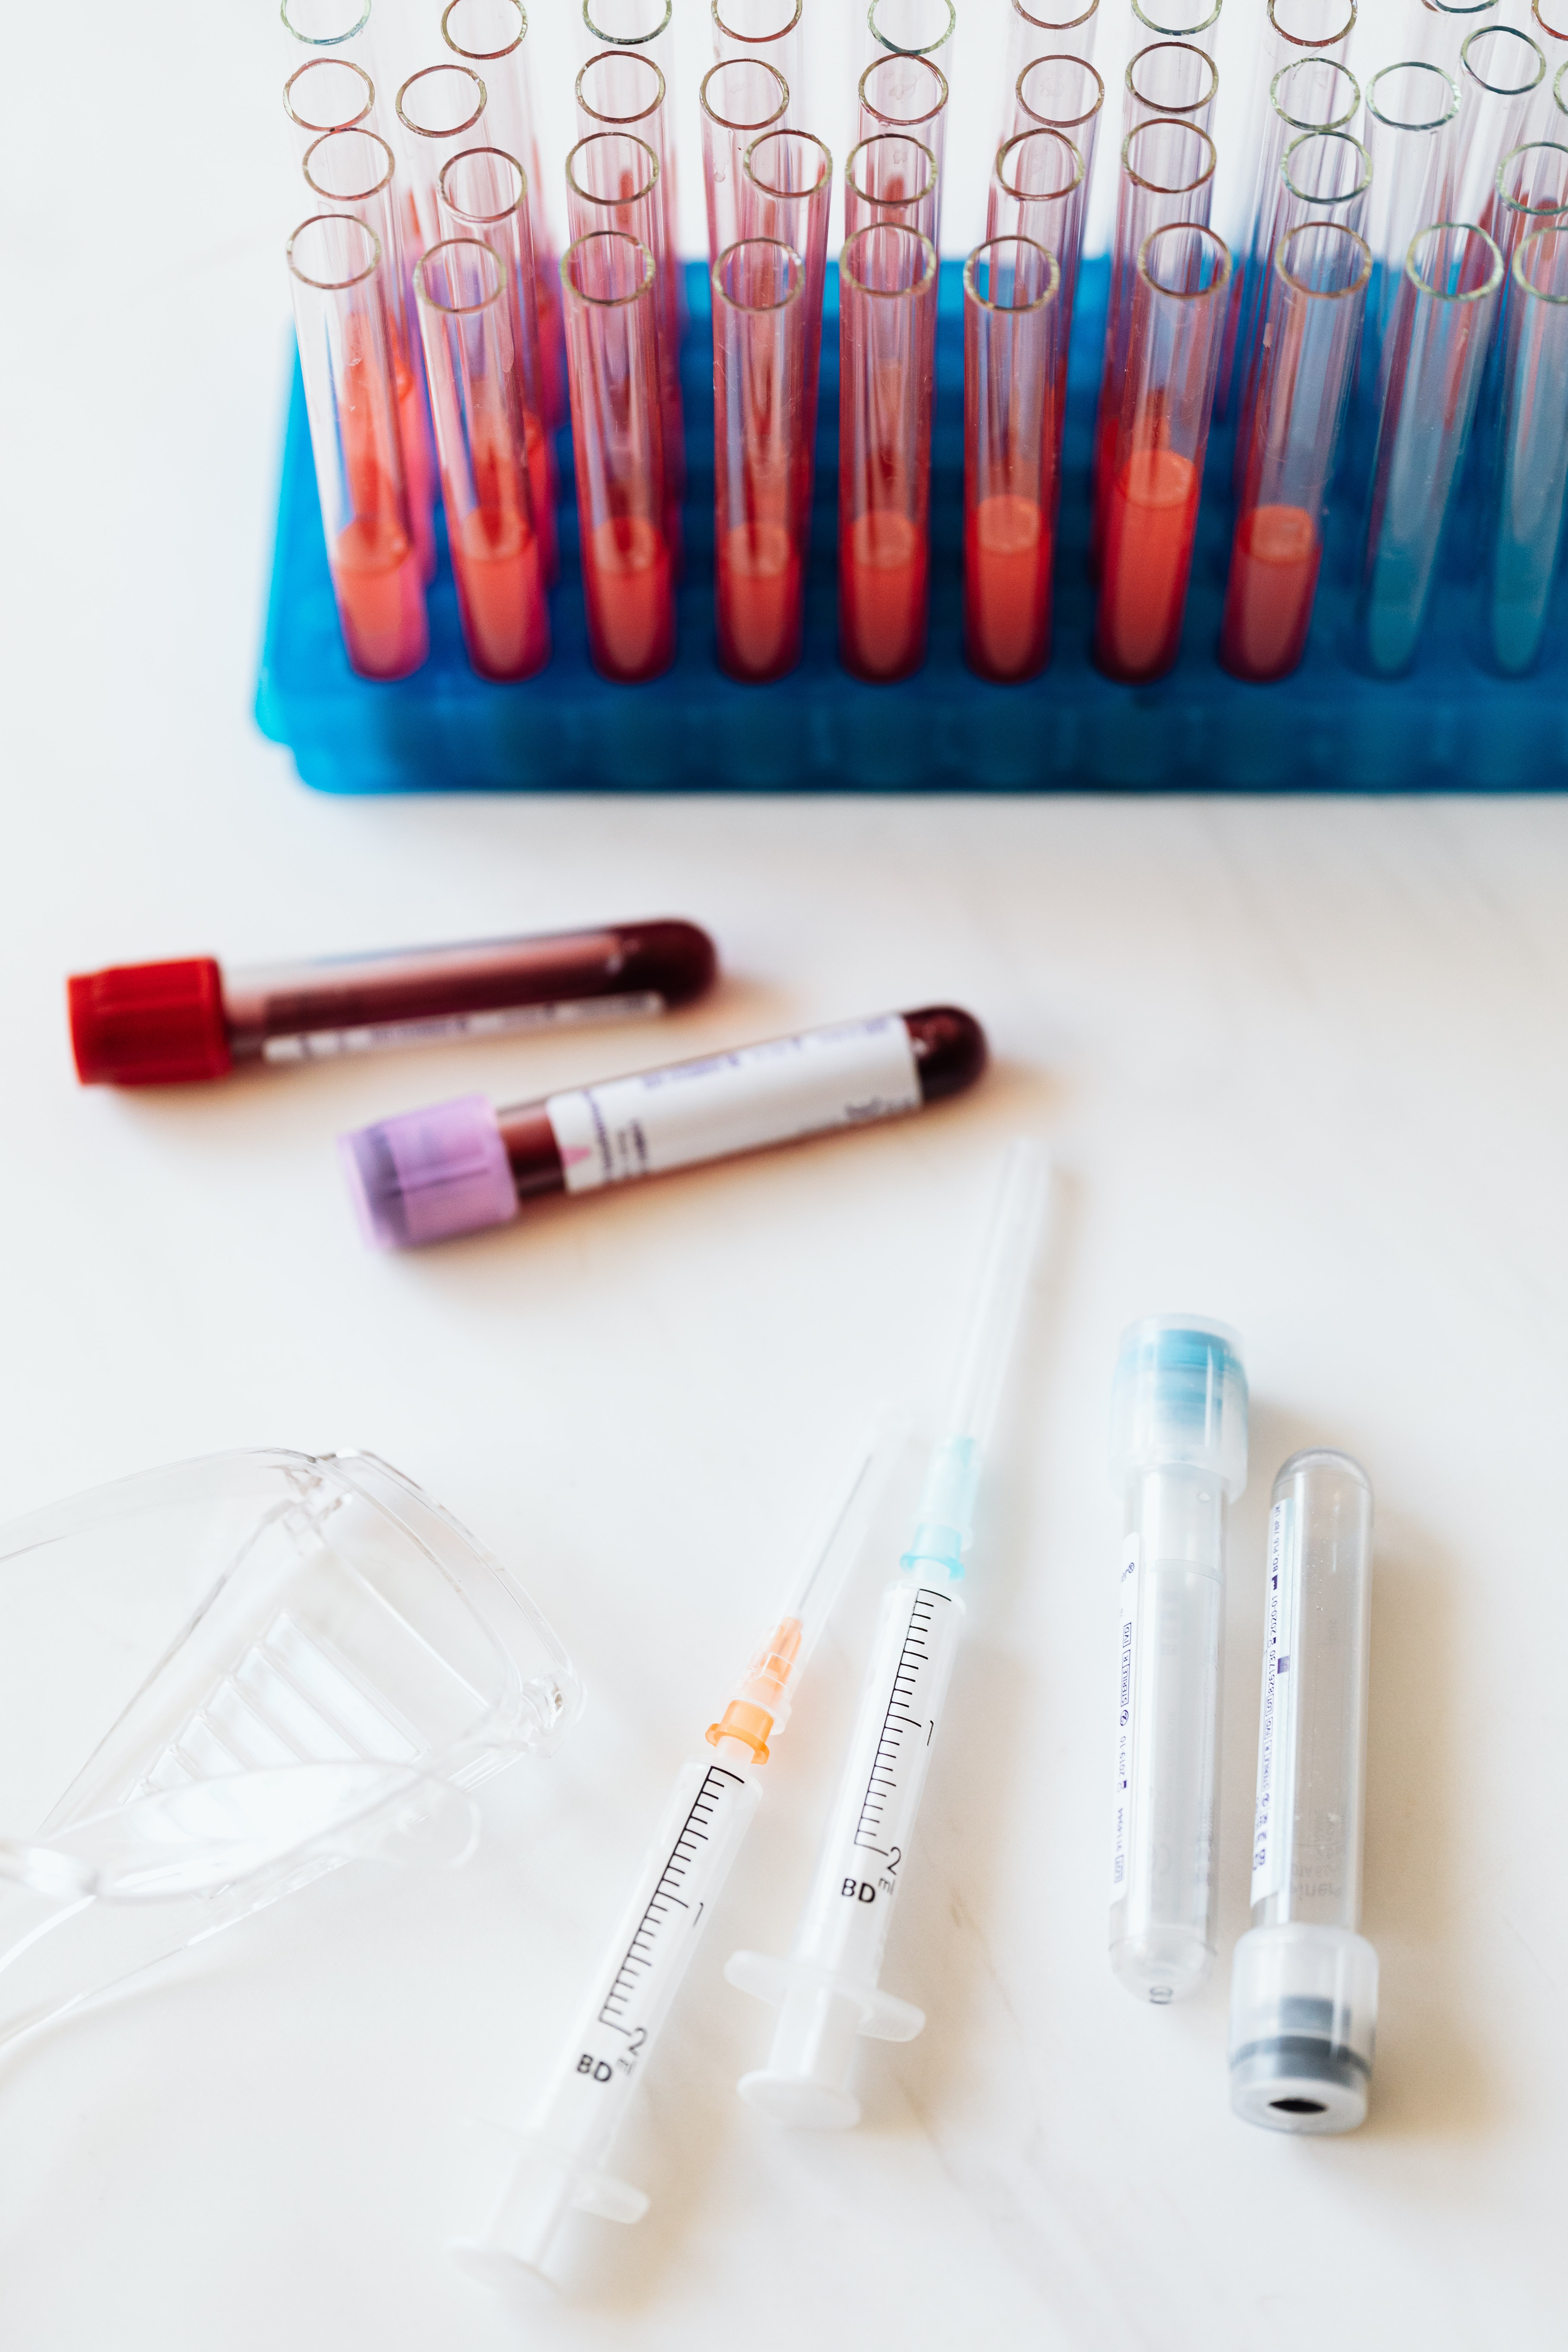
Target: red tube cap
<point>148,1024</point>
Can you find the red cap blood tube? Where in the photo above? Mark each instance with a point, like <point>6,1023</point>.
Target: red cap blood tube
<point>460,1165</point>
<point>158,1024</point>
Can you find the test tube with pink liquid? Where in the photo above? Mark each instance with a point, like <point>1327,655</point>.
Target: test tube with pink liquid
<point>759,432</point>
<point>1012,290</point>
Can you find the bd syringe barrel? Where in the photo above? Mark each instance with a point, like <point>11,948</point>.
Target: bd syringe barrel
<point>1303,1994</point>
<point>1178,1452</point>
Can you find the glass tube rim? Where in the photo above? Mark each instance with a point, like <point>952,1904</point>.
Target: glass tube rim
<point>1299,122</point>
<point>758,40</point>
<point>1460,8</point>
<point>801,195</point>
<point>487,57</point>
<point>1012,309</point>
<point>335,40</point>
<point>608,301</point>
<point>350,65</point>
<point>760,309</point>
<point>1346,196</point>
<point>620,121</point>
<point>1157,187</point>
<point>457,129</point>
<point>875,66</point>
<point>1217,284</point>
<point>1066,25</point>
<point>887,293</point>
<point>1498,32</point>
<point>639,196</point>
<point>1171,113</point>
<point>1173,33</point>
<point>1536,293</point>
<point>1056,195</point>
<point>1064,57</point>
<point>629,40</point>
<point>756,65</point>
<point>357,195</point>
<point>897,204</point>
<point>1529,211</point>
<point>1414,65</point>
<point>892,48</point>
<point>484,220</point>
<point>1310,47</point>
<point>1550,30</point>
<point>460,310</point>
<point>1557,98</point>
<point>1463,228</point>
<point>1324,293</point>
<point>333,285</point>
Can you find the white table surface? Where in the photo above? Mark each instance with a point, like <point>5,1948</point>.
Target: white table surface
<point>1301,1066</point>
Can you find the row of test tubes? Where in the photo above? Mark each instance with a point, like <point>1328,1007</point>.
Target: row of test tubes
<point>1403,270</point>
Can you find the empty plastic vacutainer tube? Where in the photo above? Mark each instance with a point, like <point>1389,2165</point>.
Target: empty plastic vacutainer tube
<point>1178,1452</point>
<point>1303,1987</point>
<point>229,1677</point>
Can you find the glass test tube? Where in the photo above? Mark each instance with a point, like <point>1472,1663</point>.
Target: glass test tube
<point>1322,271</point>
<point>1038,28</point>
<point>1304,1987</point>
<point>788,189</point>
<point>1437,348</point>
<point>1177,20</point>
<point>1170,78</point>
<point>1178,1457</point>
<point>624,90</point>
<point>1531,193</point>
<point>613,183</point>
<point>908,28</point>
<point>759,452</point>
<point>888,279</point>
<point>483,194</point>
<point>1311,93</point>
<point>907,94</point>
<point>325,25</point>
<point>770,30</point>
<point>1012,442</point>
<point>642,29</point>
<point>1440,26</point>
<point>1064,94</point>
<point>1500,72</point>
<point>1550,17</point>
<point>327,94</point>
<point>739,101</point>
<point>1151,504</point>
<point>1532,467</point>
<point>1039,191</point>
<point>1412,111</point>
<point>491,37</point>
<point>1324,176</point>
<point>441,110</point>
<point>351,396</point>
<point>891,179</point>
<point>612,353</point>
<point>481,442</point>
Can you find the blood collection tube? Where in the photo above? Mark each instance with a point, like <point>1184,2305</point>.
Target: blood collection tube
<point>769,31</point>
<point>1297,415</point>
<point>1012,439</point>
<point>1437,348</point>
<point>1056,28</point>
<point>1170,78</point>
<point>739,101</point>
<point>1178,1455</point>
<point>327,94</point>
<point>788,189</point>
<point>1151,504</point>
<point>471,364</point>
<point>891,179</point>
<point>484,194</point>
<point>888,280</point>
<point>759,433</point>
<point>613,183</point>
<point>157,1025</point>
<point>1304,1987</point>
<point>1063,94</point>
<point>1412,111</point>
<point>907,95</point>
<point>1307,94</point>
<point>491,37</point>
<point>1501,73</point>
<point>346,359</point>
<point>1532,467</point>
<point>612,351</point>
<point>460,1166</point>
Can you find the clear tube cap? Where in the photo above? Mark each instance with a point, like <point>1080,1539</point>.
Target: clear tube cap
<point>1303,2024</point>
<point>430,1174</point>
<point>1178,1400</point>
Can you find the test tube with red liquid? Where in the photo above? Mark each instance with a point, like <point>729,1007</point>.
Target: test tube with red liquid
<point>740,99</point>
<point>1011,439</point>
<point>1322,271</point>
<point>759,426</point>
<point>158,1024</point>
<point>1150,509</point>
<point>612,353</point>
<point>484,194</point>
<point>346,359</point>
<point>887,296</point>
<point>457,1167</point>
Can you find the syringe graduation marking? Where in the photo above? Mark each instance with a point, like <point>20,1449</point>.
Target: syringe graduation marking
<point>638,1956</point>
<point>913,1657</point>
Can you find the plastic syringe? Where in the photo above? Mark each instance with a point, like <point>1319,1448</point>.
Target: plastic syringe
<point>716,1794</point>
<point>827,1987</point>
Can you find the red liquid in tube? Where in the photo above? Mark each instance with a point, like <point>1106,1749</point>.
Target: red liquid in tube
<point>496,560</point>
<point>1269,597</point>
<point>1150,518</point>
<point>381,595</point>
<point>628,588</point>
<point>882,570</point>
<point>1006,588</point>
<point>758,606</point>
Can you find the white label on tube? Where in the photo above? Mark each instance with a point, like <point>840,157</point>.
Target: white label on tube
<point>733,1102</point>
<point>1126,1668</point>
<point>1271,1836</point>
<point>325,1044</point>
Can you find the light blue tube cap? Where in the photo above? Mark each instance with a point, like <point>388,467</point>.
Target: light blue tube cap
<point>1179,1401</point>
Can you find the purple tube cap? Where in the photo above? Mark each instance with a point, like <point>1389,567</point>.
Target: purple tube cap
<point>429,1174</point>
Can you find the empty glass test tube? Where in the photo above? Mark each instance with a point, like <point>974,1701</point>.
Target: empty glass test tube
<point>1178,1457</point>
<point>1412,111</point>
<point>612,351</point>
<point>1501,73</point>
<point>1303,1986</point>
<point>888,280</point>
<point>739,101</point>
<point>1040,29</point>
<point>1156,472</point>
<point>1012,442</point>
<point>1170,78</point>
<point>1437,348</point>
<point>346,359</point>
<point>1297,415</point>
<point>1532,467</point>
<point>759,428</point>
